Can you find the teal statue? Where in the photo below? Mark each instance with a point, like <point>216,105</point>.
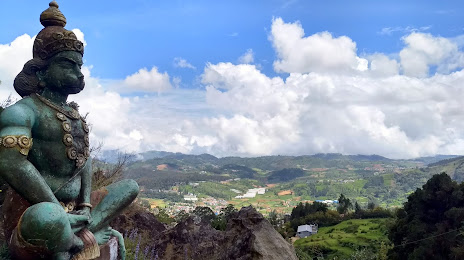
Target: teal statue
<point>50,211</point>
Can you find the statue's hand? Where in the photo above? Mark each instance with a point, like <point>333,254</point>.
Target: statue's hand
<point>79,221</point>
<point>84,212</point>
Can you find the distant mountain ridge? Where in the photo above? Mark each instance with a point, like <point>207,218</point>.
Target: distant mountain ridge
<point>454,167</point>
<point>112,155</point>
<point>319,176</point>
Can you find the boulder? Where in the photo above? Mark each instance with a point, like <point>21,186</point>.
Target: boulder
<point>137,218</point>
<point>248,236</point>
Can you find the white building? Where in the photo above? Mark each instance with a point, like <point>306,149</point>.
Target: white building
<point>306,230</point>
<point>251,193</point>
<point>190,197</point>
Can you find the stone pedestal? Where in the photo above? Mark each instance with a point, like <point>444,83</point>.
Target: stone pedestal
<point>110,251</point>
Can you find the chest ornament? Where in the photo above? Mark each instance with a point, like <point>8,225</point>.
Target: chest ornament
<point>74,152</point>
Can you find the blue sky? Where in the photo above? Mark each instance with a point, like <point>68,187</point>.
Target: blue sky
<point>124,36</point>
<point>241,77</point>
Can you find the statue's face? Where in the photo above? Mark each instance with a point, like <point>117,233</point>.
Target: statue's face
<point>63,74</point>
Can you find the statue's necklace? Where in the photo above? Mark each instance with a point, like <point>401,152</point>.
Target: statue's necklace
<point>71,114</point>
<point>72,153</point>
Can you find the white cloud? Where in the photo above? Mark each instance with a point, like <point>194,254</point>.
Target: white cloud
<point>407,29</point>
<point>109,115</point>
<point>80,36</point>
<point>228,76</point>
<point>176,81</point>
<point>382,65</point>
<point>425,50</point>
<point>349,105</point>
<point>320,52</point>
<point>149,81</point>
<point>12,59</point>
<point>247,57</point>
<point>182,63</point>
<point>395,116</point>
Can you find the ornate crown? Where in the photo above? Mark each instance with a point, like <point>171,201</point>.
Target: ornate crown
<point>54,37</point>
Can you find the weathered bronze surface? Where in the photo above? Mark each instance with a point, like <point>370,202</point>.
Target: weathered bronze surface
<point>45,157</point>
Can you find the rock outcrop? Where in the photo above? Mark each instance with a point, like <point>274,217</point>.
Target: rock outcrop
<point>248,236</point>
<point>136,218</point>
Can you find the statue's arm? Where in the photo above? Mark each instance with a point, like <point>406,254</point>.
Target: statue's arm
<point>86,182</point>
<point>16,170</point>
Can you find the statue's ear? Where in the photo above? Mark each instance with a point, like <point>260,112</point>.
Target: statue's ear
<point>39,74</point>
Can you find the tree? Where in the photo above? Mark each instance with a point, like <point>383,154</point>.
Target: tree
<point>383,251</point>
<point>429,225</point>
<point>205,213</point>
<point>344,204</point>
<point>228,211</point>
<point>181,216</point>
<point>220,222</point>
<point>357,209</point>
<point>102,178</point>
<point>163,216</point>
<point>302,210</point>
<point>371,205</point>
<point>273,218</point>
<point>145,204</point>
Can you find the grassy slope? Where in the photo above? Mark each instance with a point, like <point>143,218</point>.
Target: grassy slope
<point>341,240</point>
<point>453,167</point>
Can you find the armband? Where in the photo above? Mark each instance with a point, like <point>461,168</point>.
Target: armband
<point>82,205</point>
<point>20,142</point>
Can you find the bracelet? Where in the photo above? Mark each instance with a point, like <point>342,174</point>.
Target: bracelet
<point>88,205</point>
<point>21,142</point>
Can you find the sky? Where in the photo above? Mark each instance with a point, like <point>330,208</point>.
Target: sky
<point>255,78</point>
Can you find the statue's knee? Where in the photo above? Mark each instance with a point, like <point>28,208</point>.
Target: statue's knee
<point>129,186</point>
<point>132,188</point>
<point>42,217</point>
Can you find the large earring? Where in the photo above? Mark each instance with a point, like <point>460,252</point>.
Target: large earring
<point>42,84</point>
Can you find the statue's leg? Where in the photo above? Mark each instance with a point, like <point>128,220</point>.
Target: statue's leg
<point>46,225</point>
<point>119,196</point>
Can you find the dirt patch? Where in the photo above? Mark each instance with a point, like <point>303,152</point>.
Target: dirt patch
<point>161,167</point>
<point>285,192</point>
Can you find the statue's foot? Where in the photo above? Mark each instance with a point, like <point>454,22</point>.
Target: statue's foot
<point>122,248</point>
<point>103,235</point>
<point>77,245</point>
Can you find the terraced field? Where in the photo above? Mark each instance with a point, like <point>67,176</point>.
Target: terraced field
<point>343,239</point>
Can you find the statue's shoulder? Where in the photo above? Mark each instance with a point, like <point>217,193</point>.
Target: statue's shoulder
<point>22,113</point>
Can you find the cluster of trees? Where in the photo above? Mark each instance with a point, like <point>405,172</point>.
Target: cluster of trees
<point>302,210</point>
<point>319,213</point>
<point>154,194</point>
<point>219,221</point>
<point>309,213</point>
<point>285,175</point>
<point>213,189</point>
<point>431,224</point>
<point>203,214</point>
<point>238,170</point>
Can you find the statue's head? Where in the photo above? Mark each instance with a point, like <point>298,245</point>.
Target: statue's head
<point>57,58</point>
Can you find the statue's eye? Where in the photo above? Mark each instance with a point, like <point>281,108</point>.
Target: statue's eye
<point>67,64</point>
